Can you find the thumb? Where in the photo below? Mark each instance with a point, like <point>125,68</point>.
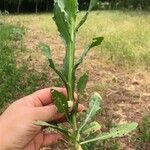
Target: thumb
<point>47,113</point>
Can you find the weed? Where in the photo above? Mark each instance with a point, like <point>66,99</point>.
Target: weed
<point>65,17</point>
<point>142,138</point>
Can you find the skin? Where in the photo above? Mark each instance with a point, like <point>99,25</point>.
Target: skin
<point>17,131</point>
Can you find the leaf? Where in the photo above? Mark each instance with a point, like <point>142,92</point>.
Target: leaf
<point>71,7</point>
<point>61,102</point>
<point>91,128</point>
<point>119,131</point>
<point>47,52</point>
<point>45,124</point>
<point>95,42</point>
<point>81,85</point>
<point>60,19</point>
<point>64,14</point>
<point>94,107</point>
<point>82,21</point>
<point>91,6</point>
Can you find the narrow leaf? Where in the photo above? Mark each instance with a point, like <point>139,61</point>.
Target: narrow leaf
<point>91,6</point>
<point>95,42</point>
<point>60,19</point>
<point>45,124</point>
<point>119,131</point>
<point>91,128</point>
<point>47,52</point>
<point>94,106</point>
<point>82,21</point>
<point>81,85</point>
<point>60,101</point>
<point>71,8</point>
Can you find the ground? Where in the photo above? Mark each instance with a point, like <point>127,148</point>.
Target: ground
<point>118,69</point>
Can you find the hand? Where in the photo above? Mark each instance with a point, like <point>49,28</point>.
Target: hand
<point>17,131</point>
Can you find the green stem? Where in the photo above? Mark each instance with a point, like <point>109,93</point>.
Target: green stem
<point>71,55</point>
<point>78,147</point>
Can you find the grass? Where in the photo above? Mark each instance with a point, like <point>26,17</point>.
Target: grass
<point>142,138</point>
<point>126,34</point>
<point>14,81</point>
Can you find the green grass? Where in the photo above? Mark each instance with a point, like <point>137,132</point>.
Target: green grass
<point>142,137</point>
<point>127,41</point>
<point>126,33</point>
<point>14,81</point>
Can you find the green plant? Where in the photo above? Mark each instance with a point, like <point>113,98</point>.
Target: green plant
<point>15,81</point>
<point>65,13</point>
<point>142,137</point>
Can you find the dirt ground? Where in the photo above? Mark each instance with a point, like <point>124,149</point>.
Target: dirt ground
<point>126,92</point>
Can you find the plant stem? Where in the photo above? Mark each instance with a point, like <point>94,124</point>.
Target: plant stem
<point>78,147</point>
<point>71,57</point>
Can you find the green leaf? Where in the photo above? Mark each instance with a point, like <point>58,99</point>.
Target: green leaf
<point>47,52</point>
<point>81,85</point>
<point>60,18</point>
<point>45,124</point>
<point>60,101</point>
<point>119,131</point>
<point>95,42</point>
<point>82,21</point>
<point>91,6</point>
<point>94,106</point>
<point>91,128</point>
<point>71,7</point>
<point>64,13</point>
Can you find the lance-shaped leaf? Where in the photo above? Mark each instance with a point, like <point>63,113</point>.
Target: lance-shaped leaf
<point>94,106</point>
<point>95,42</point>
<point>119,131</point>
<point>91,128</point>
<point>47,52</point>
<point>58,128</point>
<point>81,85</point>
<point>60,19</point>
<point>60,101</point>
<point>71,8</point>
<point>91,6</point>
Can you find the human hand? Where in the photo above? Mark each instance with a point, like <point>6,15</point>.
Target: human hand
<point>17,131</point>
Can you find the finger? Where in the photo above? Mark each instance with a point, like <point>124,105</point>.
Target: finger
<point>50,139</point>
<point>44,97</point>
<point>47,113</point>
<point>50,113</point>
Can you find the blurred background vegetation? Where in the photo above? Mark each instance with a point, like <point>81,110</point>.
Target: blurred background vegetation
<point>47,5</point>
